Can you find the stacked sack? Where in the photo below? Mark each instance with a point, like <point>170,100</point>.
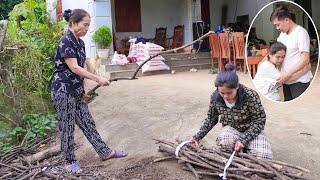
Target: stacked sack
<point>141,52</point>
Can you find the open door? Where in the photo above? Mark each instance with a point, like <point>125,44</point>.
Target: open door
<point>205,11</point>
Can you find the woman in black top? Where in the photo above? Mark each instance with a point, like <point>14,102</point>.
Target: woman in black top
<point>68,90</point>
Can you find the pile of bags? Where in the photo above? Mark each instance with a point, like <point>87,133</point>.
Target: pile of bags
<point>140,52</point>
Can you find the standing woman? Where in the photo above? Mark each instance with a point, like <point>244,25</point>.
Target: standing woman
<point>241,115</point>
<point>68,89</point>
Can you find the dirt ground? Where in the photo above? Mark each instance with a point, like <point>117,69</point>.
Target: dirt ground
<point>129,114</point>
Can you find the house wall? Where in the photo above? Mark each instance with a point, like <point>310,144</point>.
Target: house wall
<point>265,29</point>
<point>164,13</point>
<point>240,7</point>
<point>215,13</point>
<point>235,8</point>
<point>51,9</point>
<point>243,7</point>
<point>316,13</point>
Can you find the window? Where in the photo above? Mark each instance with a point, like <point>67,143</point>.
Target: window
<point>128,15</point>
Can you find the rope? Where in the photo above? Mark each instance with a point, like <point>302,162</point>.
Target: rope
<point>179,147</point>
<point>224,174</point>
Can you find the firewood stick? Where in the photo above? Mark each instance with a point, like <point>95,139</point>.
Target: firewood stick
<point>212,164</point>
<point>198,164</point>
<point>239,160</point>
<point>6,175</point>
<point>247,164</point>
<point>265,165</point>
<point>290,165</point>
<point>21,166</point>
<point>166,142</point>
<point>6,165</point>
<point>193,171</point>
<point>35,174</point>
<point>243,170</point>
<point>220,160</point>
<point>238,177</point>
<point>43,154</point>
<point>193,158</point>
<point>28,175</point>
<point>49,175</point>
<point>268,173</point>
<point>163,148</point>
<point>163,159</point>
<point>296,176</point>
<point>92,166</point>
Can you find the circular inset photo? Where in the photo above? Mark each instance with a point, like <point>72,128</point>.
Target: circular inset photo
<point>282,51</point>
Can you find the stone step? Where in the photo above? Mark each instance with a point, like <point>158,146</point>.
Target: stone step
<point>129,73</point>
<point>111,67</point>
<point>176,61</point>
<point>190,66</point>
<point>180,68</point>
<point>184,56</point>
<point>170,63</point>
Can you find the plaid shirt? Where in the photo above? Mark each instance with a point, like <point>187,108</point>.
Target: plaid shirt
<point>247,116</point>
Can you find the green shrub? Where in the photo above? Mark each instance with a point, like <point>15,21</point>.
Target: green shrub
<point>25,106</point>
<point>102,37</point>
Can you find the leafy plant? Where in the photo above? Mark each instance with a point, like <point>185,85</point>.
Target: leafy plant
<point>26,74</point>
<point>40,124</point>
<point>102,36</point>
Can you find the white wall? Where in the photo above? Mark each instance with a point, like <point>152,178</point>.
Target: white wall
<point>243,7</point>
<point>264,28</point>
<point>51,9</point>
<point>164,13</point>
<point>187,21</point>
<point>235,8</point>
<point>316,13</point>
<point>215,13</point>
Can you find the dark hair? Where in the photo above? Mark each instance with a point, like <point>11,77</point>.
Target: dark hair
<point>275,47</point>
<point>75,15</point>
<point>281,13</point>
<point>227,78</point>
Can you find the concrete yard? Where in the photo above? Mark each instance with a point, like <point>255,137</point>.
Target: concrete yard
<point>129,114</point>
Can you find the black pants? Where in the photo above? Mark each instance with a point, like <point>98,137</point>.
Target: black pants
<point>73,110</point>
<point>294,90</point>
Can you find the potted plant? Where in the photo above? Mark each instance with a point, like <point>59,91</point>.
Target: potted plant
<point>102,36</point>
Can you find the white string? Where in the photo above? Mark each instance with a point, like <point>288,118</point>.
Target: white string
<point>179,147</point>
<point>224,174</point>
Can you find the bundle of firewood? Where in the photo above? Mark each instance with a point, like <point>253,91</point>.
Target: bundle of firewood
<point>211,162</point>
<point>36,160</point>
